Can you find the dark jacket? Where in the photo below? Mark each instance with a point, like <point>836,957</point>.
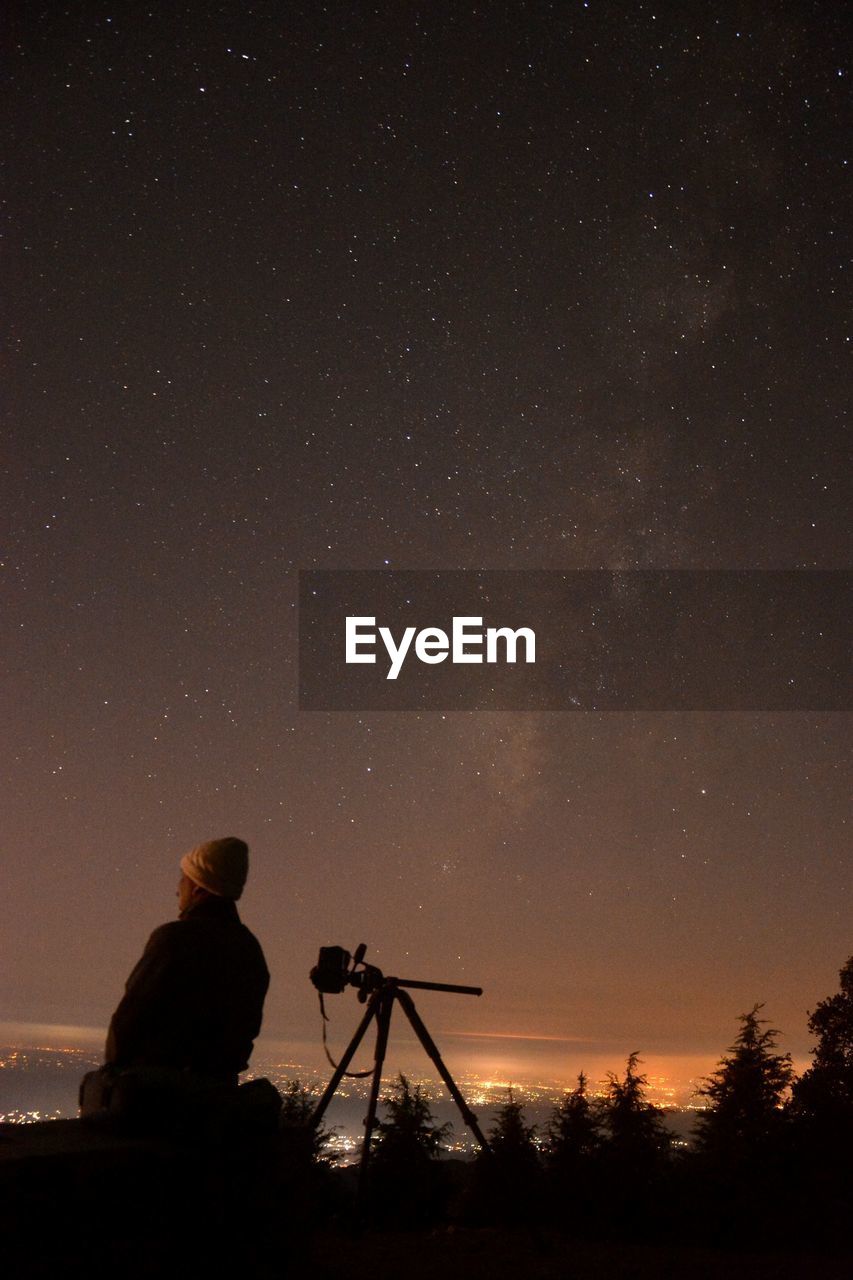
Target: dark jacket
<point>195,999</point>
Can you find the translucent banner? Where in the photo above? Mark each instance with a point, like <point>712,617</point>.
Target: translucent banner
<point>588,640</point>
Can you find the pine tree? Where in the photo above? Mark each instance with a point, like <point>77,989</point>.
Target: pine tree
<point>745,1094</point>
<point>405,1182</point>
<point>825,1091</point>
<point>408,1132</point>
<point>572,1146</point>
<point>510,1138</point>
<point>637,1135</point>
<point>297,1108</point>
<point>633,1158</point>
<point>508,1178</point>
<point>301,1174</point>
<point>573,1132</point>
<point>822,1115</point>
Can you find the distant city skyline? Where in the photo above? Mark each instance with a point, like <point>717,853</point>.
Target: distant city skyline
<point>40,1083</point>
<point>672,1077</point>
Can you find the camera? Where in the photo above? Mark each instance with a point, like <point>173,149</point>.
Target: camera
<point>336,969</point>
<point>331,972</point>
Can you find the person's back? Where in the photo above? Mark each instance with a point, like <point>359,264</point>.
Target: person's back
<point>194,1001</point>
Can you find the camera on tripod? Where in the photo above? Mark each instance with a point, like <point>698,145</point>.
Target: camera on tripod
<point>336,969</point>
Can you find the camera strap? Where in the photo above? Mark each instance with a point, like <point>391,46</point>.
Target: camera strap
<point>353,1075</point>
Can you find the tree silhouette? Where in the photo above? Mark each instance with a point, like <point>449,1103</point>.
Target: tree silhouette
<point>297,1108</point>
<point>573,1142</point>
<point>822,1119</point>
<point>296,1193</point>
<point>573,1132</point>
<point>405,1184</point>
<point>637,1135</point>
<point>745,1095</point>
<point>408,1132</point>
<point>825,1091</point>
<point>508,1181</point>
<point>634,1152</point>
<point>510,1138</point>
<point>740,1164</point>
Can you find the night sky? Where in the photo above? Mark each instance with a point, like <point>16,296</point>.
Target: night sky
<point>433,286</point>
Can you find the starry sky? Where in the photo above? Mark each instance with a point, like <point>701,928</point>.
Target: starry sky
<point>418,286</point>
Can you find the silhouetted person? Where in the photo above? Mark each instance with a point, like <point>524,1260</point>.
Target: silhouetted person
<point>182,1032</point>
<point>193,1004</point>
<point>195,999</point>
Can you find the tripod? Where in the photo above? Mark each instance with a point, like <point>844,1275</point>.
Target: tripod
<point>380,1006</point>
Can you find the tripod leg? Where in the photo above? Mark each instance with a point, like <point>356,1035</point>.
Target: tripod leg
<point>349,1054</point>
<point>383,1023</point>
<point>429,1044</point>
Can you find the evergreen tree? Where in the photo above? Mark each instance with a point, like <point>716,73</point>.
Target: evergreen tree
<point>822,1115</point>
<point>634,1154</point>
<point>637,1135</point>
<point>408,1132</point>
<point>508,1178</point>
<point>824,1093</point>
<point>510,1138</point>
<point>745,1094</point>
<point>302,1178</point>
<point>297,1108</point>
<point>405,1183</point>
<point>740,1165</point>
<point>573,1132</point>
<point>572,1145</point>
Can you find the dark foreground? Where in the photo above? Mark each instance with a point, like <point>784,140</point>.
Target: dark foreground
<point>78,1200</point>
<point>499,1255</point>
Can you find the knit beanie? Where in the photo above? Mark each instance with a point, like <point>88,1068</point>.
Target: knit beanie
<point>220,866</point>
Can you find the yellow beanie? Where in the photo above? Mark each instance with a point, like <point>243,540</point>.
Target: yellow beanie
<point>220,866</point>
